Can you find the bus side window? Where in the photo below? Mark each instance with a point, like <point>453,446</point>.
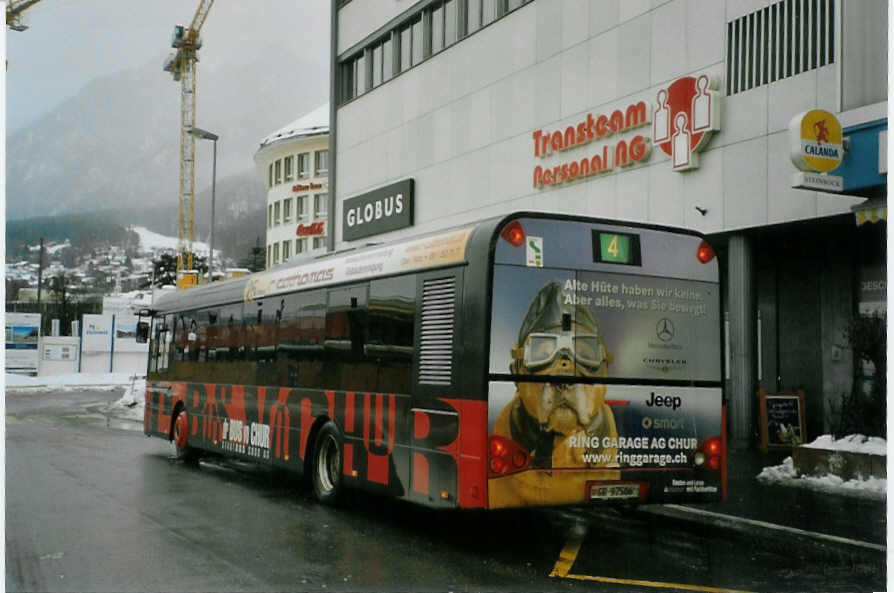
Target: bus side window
<point>230,337</point>
<point>300,353</point>
<point>389,345</point>
<point>263,339</point>
<point>346,317</point>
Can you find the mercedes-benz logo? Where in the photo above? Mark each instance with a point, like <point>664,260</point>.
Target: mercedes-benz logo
<point>665,330</point>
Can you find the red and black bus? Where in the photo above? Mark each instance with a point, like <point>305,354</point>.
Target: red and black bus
<point>530,359</point>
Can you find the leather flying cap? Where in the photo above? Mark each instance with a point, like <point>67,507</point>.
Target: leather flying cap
<point>546,310</point>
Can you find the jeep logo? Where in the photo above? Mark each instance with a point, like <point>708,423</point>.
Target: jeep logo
<point>665,401</point>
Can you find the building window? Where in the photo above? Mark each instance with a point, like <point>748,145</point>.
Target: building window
<point>437,29</point>
<point>270,175</point>
<point>360,74</point>
<point>319,242</point>
<point>268,256</point>
<point>426,32</point>
<point>269,216</point>
<point>320,205</point>
<point>287,210</point>
<point>450,17</point>
<point>418,38</point>
<point>473,16</point>
<point>387,60</point>
<point>406,47</point>
<point>277,172</point>
<point>377,65</point>
<point>286,247</point>
<point>321,163</point>
<point>300,246</point>
<point>275,253</point>
<point>303,165</point>
<point>300,208</point>
<point>276,214</point>
<point>287,165</point>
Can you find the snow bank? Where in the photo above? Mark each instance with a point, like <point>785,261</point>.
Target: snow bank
<point>785,475</point>
<point>132,404</point>
<point>854,443</point>
<point>69,382</point>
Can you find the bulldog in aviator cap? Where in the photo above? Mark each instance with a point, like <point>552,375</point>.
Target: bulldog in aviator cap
<point>563,341</point>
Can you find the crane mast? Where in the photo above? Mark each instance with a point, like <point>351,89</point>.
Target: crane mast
<point>182,66</point>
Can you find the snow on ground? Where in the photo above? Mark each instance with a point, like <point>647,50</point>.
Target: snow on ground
<point>69,382</point>
<point>129,406</point>
<point>855,443</point>
<point>151,241</point>
<point>870,487</point>
<point>132,403</point>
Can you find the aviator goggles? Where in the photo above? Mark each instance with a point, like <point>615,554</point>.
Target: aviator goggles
<point>542,349</point>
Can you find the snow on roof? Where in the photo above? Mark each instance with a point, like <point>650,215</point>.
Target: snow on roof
<point>311,124</point>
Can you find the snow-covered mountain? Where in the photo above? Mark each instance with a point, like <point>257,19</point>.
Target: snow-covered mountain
<point>115,145</point>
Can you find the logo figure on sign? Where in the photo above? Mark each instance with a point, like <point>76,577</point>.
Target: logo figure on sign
<point>665,330</point>
<point>822,132</point>
<point>686,114</point>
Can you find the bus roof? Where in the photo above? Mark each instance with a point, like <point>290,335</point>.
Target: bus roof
<point>412,254</point>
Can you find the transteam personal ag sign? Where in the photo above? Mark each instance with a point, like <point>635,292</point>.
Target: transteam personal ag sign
<point>380,211</point>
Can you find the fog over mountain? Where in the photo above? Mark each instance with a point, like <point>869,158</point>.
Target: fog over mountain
<point>115,144</point>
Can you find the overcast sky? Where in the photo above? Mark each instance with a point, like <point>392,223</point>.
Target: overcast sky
<point>70,42</point>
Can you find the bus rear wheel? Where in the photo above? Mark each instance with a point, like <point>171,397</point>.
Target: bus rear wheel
<point>180,439</point>
<point>326,469</point>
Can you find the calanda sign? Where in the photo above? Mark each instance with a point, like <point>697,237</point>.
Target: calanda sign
<point>682,118</point>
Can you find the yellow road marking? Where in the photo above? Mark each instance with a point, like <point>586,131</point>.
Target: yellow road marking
<point>572,547</point>
<point>569,553</point>
<point>658,584</point>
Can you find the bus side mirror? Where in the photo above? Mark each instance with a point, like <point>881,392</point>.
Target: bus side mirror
<point>142,332</point>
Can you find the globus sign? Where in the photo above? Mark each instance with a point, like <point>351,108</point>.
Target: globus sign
<point>683,118</point>
<point>816,141</point>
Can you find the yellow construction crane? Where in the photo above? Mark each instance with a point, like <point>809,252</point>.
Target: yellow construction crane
<point>182,66</point>
<point>14,10</point>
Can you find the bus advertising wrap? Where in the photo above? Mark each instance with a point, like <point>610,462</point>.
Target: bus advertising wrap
<point>635,331</point>
<point>427,252</point>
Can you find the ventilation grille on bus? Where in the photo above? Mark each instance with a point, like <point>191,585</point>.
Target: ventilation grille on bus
<point>436,344</point>
<point>778,41</point>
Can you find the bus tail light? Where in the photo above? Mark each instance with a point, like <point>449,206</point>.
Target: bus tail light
<point>705,252</point>
<point>514,233</point>
<point>506,457</point>
<point>709,454</point>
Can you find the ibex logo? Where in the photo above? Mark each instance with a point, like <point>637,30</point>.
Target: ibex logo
<point>686,113</point>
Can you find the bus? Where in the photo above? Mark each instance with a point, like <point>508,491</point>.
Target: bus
<point>529,359</point>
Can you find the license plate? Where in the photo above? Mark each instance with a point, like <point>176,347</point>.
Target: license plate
<point>613,491</point>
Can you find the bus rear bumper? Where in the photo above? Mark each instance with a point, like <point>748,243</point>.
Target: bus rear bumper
<point>604,486</point>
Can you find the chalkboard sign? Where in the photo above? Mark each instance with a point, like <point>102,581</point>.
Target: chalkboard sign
<point>781,419</point>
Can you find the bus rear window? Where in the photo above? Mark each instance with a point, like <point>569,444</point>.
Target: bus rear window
<point>590,323</point>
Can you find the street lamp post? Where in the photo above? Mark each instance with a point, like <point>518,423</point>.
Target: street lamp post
<point>205,135</point>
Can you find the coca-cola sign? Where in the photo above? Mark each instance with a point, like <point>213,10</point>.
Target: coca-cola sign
<point>313,229</point>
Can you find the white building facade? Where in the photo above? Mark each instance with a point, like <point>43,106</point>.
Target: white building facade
<point>294,163</point>
<point>671,112</point>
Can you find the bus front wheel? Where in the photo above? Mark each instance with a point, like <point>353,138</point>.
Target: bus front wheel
<point>327,464</point>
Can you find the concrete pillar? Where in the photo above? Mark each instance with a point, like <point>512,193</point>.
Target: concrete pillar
<point>740,306</point>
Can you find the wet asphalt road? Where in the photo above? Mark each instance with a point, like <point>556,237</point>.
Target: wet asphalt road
<point>93,505</point>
